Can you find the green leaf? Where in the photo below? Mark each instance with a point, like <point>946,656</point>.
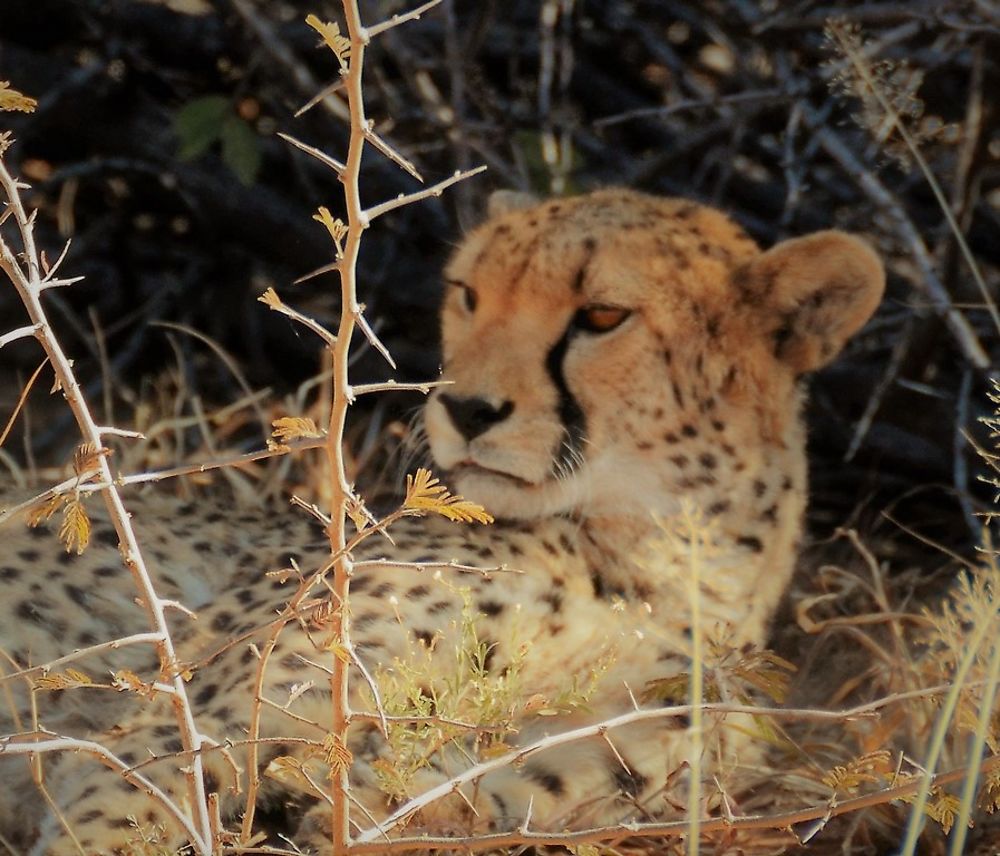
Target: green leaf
<point>199,123</point>
<point>240,149</point>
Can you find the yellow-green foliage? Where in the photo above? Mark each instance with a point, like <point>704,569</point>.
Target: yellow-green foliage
<point>969,611</point>
<point>439,694</point>
<point>445,701</point>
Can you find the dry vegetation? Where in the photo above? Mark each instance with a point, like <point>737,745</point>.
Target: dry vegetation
<point>158,158</point>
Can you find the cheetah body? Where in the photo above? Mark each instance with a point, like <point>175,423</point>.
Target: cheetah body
<point>620,364</point>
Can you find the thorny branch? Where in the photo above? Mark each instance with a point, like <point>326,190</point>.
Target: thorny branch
<point>84,483</point>
<point>28,281</point>
<point>517,756</point>
<point>343,394</point>
<point>672,829</point>
<point>111,645</point>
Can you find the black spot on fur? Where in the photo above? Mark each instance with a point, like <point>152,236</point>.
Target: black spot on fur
<point>290,662</point>
<point>365,620</point>
<point>751,542</point>
<point>498,801</point>
<point>552,782</point>
<point>629,783</point>
<point>75,594</point>
<point>107,536</point>
<point>490,607</point>
<point>554,600</point>
<point>206,694</point>
<point>602,589</point>
<point>28,611</point>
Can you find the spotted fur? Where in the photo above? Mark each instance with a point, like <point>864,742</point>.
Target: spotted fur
<point>618,361</point>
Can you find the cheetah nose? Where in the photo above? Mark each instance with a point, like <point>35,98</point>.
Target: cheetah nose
<point>474,416</point>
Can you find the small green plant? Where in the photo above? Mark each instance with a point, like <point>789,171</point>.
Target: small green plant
<point>203,122</point>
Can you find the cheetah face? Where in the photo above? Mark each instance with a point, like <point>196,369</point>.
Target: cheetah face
<point>594,344</point>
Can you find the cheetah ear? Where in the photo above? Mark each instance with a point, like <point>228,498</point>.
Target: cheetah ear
<point>505,201</point>
<point>813,294</point>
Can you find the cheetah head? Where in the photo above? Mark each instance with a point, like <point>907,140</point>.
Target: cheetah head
<point>599,347</point>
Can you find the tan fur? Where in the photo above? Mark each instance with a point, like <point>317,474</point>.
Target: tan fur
<point>690,406</point>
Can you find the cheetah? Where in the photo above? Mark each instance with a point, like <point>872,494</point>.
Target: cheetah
<point>617,362</point>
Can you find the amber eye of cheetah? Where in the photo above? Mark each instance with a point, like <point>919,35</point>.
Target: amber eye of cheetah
<point>600,318</point>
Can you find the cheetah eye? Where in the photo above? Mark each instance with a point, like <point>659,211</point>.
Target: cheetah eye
<point>599,318</point>
<point>469,297</point>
